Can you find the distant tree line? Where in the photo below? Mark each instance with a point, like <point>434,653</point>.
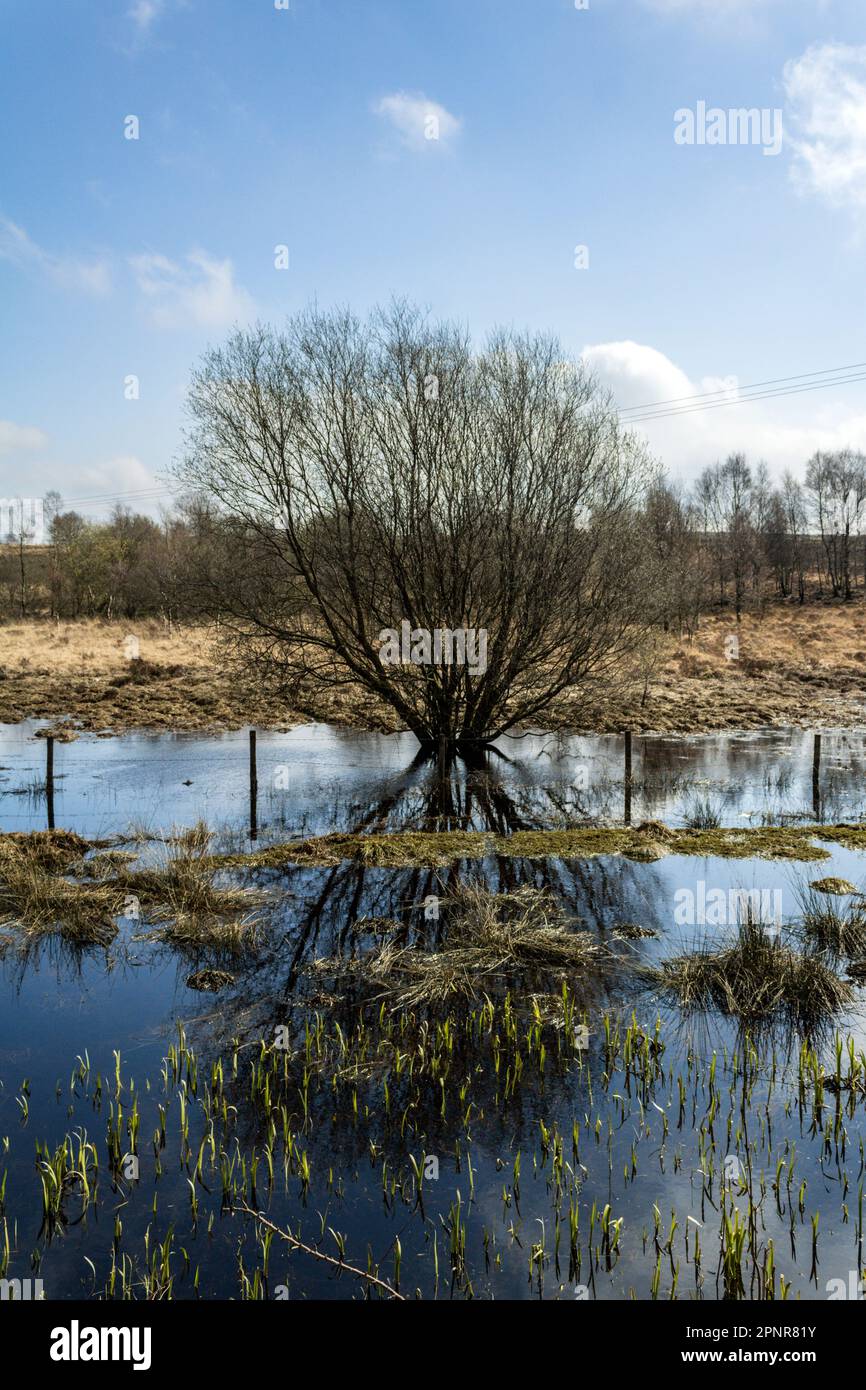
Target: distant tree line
<point>734,539</point>
<point>127,567</point>
<point>731,541</point>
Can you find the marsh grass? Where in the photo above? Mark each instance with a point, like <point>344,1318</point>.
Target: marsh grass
<point>49,887</point>
<point>407,849</point>
<point>183,883</point>
<point>214,936</point>
<point>210,981</point>
<point>488,937</point>
<point>199,915</point>
<point>756,978</point>
<point>54,851</point>
<point>701,813</point>
<point>35,895</point>
<point>832,921</point>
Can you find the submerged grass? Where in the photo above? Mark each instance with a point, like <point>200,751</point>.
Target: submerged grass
<point>702,814</point>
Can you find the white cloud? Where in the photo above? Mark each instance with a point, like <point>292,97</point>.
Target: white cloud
<point>826,94</point>
<point>144,12</point>
<point>638,375</point>
<point>88,488</point>
<point>93,277</point>
<point>420,123</point>
<point>721,9</point>
<point>122,473</point>
<point>14,437</point>
<point>201,292</point>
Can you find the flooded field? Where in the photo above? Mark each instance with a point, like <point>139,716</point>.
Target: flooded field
<point>596,1075</point>
<point>320,778</point>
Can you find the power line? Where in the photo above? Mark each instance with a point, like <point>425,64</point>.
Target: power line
<point>700,401</point>
<point>744,400</point>
<point>776,381</point>
<point>116,496</point>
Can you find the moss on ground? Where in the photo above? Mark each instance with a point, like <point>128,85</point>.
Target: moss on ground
<point>411,849</point>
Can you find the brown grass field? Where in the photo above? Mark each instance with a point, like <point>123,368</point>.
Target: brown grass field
<point>796,666</point>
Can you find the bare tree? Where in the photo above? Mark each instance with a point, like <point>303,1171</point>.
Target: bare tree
<point>382,473</point>
<point>837,486</point>
<point>680,574</point>
<point>729,497</point>
<point>786,539</point>
<point>797,525</point>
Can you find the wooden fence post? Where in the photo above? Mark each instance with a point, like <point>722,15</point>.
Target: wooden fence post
<point>254,788</point>
<point>628,778</point>
<point>816,778</point>
<point>49,778</point>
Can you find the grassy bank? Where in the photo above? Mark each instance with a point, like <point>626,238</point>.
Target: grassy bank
<point>796,666</point>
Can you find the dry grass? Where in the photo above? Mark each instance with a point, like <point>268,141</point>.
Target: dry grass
<point>797,666</point>
<point>758,979</point>
<point>92,647</point>
<point>82,672</point>
<point>834,918</point>
<point>489,936</point>
<point>48,888</point>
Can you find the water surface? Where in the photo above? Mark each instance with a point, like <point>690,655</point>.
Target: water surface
<point>642,1145</point>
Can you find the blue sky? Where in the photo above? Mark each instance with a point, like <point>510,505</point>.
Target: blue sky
<point>261,127</point>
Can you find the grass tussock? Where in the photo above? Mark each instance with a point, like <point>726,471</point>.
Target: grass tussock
<point>489,936</point>
<point>48,887</point>
<point>53,851</point>
<point>756,978</point>
<point>37,898</point>
<point>184,883</point>
<point>839,887</point>
<point>198,914</point>
<point>702,814</point>
<point>832,919</point>
<point>221,937</point>
<point>210,981</point>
